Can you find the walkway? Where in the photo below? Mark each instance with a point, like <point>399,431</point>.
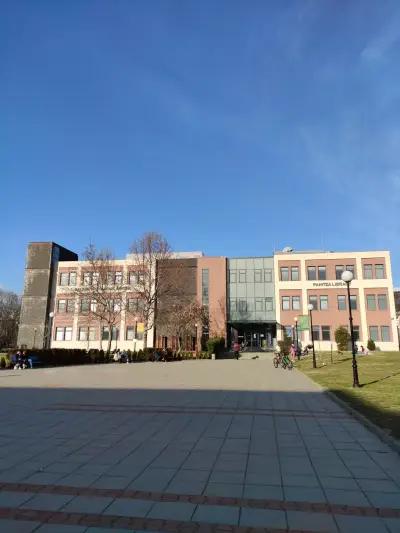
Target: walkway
<point>181,447</point>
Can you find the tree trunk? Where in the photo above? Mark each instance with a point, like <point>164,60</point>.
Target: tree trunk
<point>145,339</point>
<point>109,342</point>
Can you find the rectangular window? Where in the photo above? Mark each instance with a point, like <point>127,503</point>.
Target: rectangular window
<point>118,278</point>
<point>382,302</point>
<point>257,275</point>
<point>59,334</point>
<point>316,335</point>
<point>242,276</point>
<point>93,306</point>
<point>130,333</point>
<point>385,334</point>
<point>323,303</point>
<point>133,304</point>
<point>267,275</point>
<point>115,333</point>
<point>87,278</point>
<point>72,278</point>
<point>367,271</point>
<point>341,303</point>
<point>294,272</point>
<point>64,279</point>
<point>83,334</point>
<point>352,269</point>
<point>311,273</point>
<point>92,333</point>
<point>70,306</point>
<point>322,272</point>
<point>242,306</point>
<point>85,306</point>
<point>62,306</point>
<point>259,304</point>
<point>379,271</point>
<point>132,278</point>
<point>204,286</point>
<point>356,330</point>
<point>116,307</point>
<point>232,276</point>
<point>353,302</point>
<point>105,333</point>
<point>326,333</point>
<point>371,302</point>
<point>232,305</point>
<point>110,278</point>
<point>68,333</point>
<point>313,300</point>
<point>284,274</point>
<point>285,303</point>
<point>295,303</point>
<point>374,333</point>
<point>269,304</point>
<point>339,269</point>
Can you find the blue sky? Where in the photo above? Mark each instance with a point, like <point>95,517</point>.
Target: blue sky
<point>232,127</point>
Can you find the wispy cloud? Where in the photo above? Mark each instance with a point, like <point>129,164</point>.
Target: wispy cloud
<point>379,46</point>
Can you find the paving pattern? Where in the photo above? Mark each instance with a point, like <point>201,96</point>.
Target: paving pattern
<point>192,446</point>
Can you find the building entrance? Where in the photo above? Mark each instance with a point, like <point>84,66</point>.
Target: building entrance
<point>253,337</point>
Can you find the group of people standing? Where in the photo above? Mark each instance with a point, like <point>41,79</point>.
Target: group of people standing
<point>20,360</point>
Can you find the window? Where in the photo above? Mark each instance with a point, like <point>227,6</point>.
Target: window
<point>285,303</point>
<point>339,269</point>
<point>232,276</point>
<point>232,305</point>
<point>284,274</point>
<point>295,303</point>
<point>130,333</point>
<point>322,272</point>
<point>141,278</point>
<point>106,333</point>
<point>374,333</point>
<point>315,331</point>
<point>356,330</point>
<point>116,306</point>
<point>72,278</point>
<point>59,334</point>
<point>133,304</point>
<point>353,302</point>
<point>379,271</point>
<point>367,271</point>
<point>70,306</point>
<point>242,306</point>
<point>385,334</point>
<point>258,275</point>
<point>110,278</point>
<point>68,333</point>
<point>87,278</point>
<point>259,304</point>
<point>132,278</point>
<point>313,300</point>
<point>93,306</point>
<point>85,306</point>
<point>323,303</point>
<point>294,272</point>
<point>242,276</point>
<point>326,333</point>
<point>64,278</point>
<point>341,303</point>
<point>382,302</point>
<point>269,304</point>
<point>311,273</point>
<point>118,278</point>
<point>351,269</point>
<point>371,302</point>
<point>62,306</point>
<point>204,286</point>
<point>288,331</point>
<point>95,278</point>
<point>83,334</point>
<point>267,275</point>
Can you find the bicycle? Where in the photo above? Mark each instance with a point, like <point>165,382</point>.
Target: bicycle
<point>283,360</point>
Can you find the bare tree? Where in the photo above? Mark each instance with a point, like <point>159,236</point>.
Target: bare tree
<point>149,256</point>
<point>10,307</point>
<point>183,320</point>
<point>102,291</point>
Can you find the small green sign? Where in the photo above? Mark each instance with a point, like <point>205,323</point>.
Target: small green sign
<point>303,323</point>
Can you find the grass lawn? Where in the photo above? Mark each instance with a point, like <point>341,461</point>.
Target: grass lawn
<point>379,374</point>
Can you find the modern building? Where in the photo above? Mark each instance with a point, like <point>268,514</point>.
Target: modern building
<point>252,300</point>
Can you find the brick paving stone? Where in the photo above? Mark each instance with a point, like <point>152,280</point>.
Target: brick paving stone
<point>224,489</point>
<point>172,511</point>
<point>304,494</point>
<point>125,507</point>
<point>346,497</point>
<point>263,492</point>
<point>14,499</point>
<point>263,518</point>
<point>48,502</point>
<point>20,526</point>
<point>384,499</point>
<point>311,521</point>
<point>350,524</point>
<point>216,514</point>
<point>87,504</point>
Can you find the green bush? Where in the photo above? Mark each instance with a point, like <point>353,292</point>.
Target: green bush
<point>3,361</point>
<point>285,344</point>
<point>216,345</point>
<point>342,338</point>
<point>371,345</point>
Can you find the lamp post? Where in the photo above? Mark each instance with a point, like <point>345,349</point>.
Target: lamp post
<point>297,337</point>
<point>310,308</point>
<point>48,340</point>
<point>34,337</point>
<point>347,277</point>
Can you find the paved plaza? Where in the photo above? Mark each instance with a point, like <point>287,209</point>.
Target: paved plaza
<point>189,446</point>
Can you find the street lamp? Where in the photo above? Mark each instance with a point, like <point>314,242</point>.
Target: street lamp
<point>310,308</point>
<point>347,277</point>
<point>51,315</point>
<point>34,337</point>
<point>297,337</point>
